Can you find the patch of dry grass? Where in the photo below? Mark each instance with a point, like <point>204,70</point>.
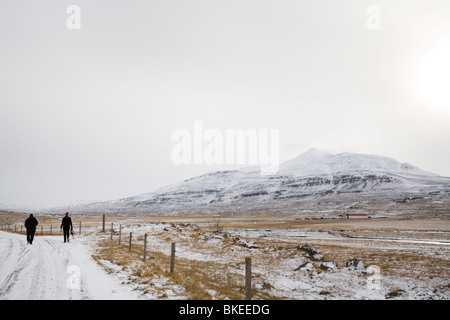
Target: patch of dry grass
<point>422,263</point>
<point>211,271</point>
<point>210,264</point>
<point>198,279</point>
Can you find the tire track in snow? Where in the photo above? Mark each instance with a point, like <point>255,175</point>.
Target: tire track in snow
<point>14,256</point>
<point>40,271</point>
<point>5,249</point>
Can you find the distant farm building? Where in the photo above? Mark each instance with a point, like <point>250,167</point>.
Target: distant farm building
<point>354,215</point>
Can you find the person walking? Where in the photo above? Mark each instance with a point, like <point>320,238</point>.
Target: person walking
<point>31,224</point>
<point>67,226</point>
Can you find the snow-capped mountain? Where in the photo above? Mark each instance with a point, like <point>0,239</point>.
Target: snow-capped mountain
<point>314,181</point>
<point>317,162</point>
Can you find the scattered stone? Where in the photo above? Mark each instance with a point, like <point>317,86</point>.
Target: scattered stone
<point>316,256</point>
<point>307,266</point>
<point>311,252</point>
<point>244,243</point>
<point>329,265</point>
<point>309,248</point>
<point>395,293</point>
<point>355,264</point>
<point>324,292</point>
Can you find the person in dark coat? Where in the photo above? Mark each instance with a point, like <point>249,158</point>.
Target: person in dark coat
<point>31,224</point>
<point>67,226</point>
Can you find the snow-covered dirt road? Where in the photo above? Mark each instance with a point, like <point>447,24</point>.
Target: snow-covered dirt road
<point>51,269</point>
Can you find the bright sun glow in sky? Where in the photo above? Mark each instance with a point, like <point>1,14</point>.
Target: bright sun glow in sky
<point>88,114</point>
<point>433,76</point>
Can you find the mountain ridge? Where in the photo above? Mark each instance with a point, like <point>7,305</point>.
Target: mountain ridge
<point>313,181</point>
<point>314,162</point>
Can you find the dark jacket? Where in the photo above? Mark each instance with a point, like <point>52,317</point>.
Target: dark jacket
<point>31,224</point>
<point>66,223</point>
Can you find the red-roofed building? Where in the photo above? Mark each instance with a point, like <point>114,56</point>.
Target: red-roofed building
<point>354,215</point>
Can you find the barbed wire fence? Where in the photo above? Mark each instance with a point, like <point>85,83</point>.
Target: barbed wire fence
<point>139,244</point>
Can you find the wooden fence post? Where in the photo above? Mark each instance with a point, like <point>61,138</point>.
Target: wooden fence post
<point>129,247</point>
<point>51,229</point>
<point>145,246</point>
<point>172,258</point>
<point>248,278</point>
<point>103,228</point>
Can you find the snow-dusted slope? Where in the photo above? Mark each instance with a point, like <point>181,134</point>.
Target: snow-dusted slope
<point>317,162</point>
<point>312,181</point>
<point>50,269</point>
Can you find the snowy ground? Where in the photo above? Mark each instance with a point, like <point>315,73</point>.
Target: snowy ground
<point>51,269</point>
<point>414,268</point>
<point>411,263</point>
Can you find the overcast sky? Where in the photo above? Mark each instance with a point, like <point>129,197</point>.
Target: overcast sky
<point>88,114</point>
